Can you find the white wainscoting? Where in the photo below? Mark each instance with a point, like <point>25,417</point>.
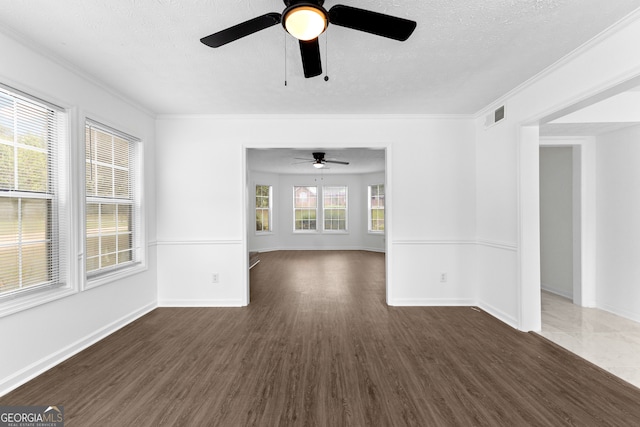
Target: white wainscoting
<point>186,267</point>
<point>417,268</point>
<point>497,288</point>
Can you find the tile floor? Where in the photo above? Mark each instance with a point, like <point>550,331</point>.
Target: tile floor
<point>609,341</point>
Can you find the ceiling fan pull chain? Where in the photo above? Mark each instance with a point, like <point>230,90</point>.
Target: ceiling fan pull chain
<point>285,59</point>
<point>326,57</point>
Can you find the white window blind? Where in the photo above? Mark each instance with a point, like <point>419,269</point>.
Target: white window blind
<point>112,211</point>
<point>305,208</point>
<point>263,208</point>
<point>32,216</point>
<point>376,208</point>
<point>334,204</point>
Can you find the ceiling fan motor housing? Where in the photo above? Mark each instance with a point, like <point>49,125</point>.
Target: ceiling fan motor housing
<point>319,14</point>
<point>295,2</point>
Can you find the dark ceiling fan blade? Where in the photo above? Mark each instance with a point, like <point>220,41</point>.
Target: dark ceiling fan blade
<point>241,30</point>
<point>371,22</point>
<point>336,161</point>
<point>311,63</point>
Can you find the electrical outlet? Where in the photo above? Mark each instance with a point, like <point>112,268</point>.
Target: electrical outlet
<point>215,278</point>
<point>443,277</point>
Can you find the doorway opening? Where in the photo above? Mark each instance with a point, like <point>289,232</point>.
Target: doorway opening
<point>583,118</point>
<point>600,308</point>
<point>337,214</point>
<point>567,209</point>
<point>557,220</point>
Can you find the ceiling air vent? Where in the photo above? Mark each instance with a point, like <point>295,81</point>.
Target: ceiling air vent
<point>494,117</point>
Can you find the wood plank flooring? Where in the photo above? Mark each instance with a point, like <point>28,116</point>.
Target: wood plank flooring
<point>318,346</point>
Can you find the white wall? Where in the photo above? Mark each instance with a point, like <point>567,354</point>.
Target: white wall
<point>618,222</point>
<point>202,207</point>
<point>37,338</point>
<point>282,237</point>
<point>556,220</point>
<point>621,108</point>
<point>507,169</point>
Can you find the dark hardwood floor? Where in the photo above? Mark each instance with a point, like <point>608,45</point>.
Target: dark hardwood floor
<point>318,346</point>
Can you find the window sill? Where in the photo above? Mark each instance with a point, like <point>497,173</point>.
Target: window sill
<point>17,303</point>
<point>114,275</point>
<point>376,233</point>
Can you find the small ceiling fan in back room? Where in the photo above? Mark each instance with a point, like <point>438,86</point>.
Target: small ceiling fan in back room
<point>319,162</point>
<point>307,19</point>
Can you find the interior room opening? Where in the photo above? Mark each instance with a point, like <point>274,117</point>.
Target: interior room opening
<point>315,199</point>
<point>589,301</point>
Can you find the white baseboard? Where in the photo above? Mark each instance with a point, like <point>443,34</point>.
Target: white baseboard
<point>430,302</point>
<point>620,312</point>
<point>200,303</point>
<point>498,314</point>
<point>263,250</point>
<point>327,248</point>
<point>28,373</point>
<point>555,291</point>
<point>378,250</point>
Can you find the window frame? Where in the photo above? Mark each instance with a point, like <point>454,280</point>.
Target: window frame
<point>305,231</point>
<point>62,234</point>
<point>95,278</point>
<point>370,210</point>
<point>346,210</point>
<point>269,209</point>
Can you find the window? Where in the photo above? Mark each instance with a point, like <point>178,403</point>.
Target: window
<point>305,208</point>
<point>32,217</point>
<point>334,207</point>
<point>376,208</point>
<point>112,209</point>
<point>263,208</point>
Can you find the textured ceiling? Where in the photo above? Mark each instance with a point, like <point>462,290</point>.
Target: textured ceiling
<point>463,55</point>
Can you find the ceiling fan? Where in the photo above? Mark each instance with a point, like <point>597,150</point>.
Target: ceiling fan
<point>307,19</point>
<point>319,161</point>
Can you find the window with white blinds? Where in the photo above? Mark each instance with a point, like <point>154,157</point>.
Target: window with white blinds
<point>112,211</point>
<point>32,254</point>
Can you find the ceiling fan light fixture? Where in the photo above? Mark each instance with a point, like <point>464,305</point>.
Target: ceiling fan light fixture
<point>318,165</point>
<point>305,21</point>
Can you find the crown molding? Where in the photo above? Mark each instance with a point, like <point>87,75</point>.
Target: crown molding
<point>317,116</point>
